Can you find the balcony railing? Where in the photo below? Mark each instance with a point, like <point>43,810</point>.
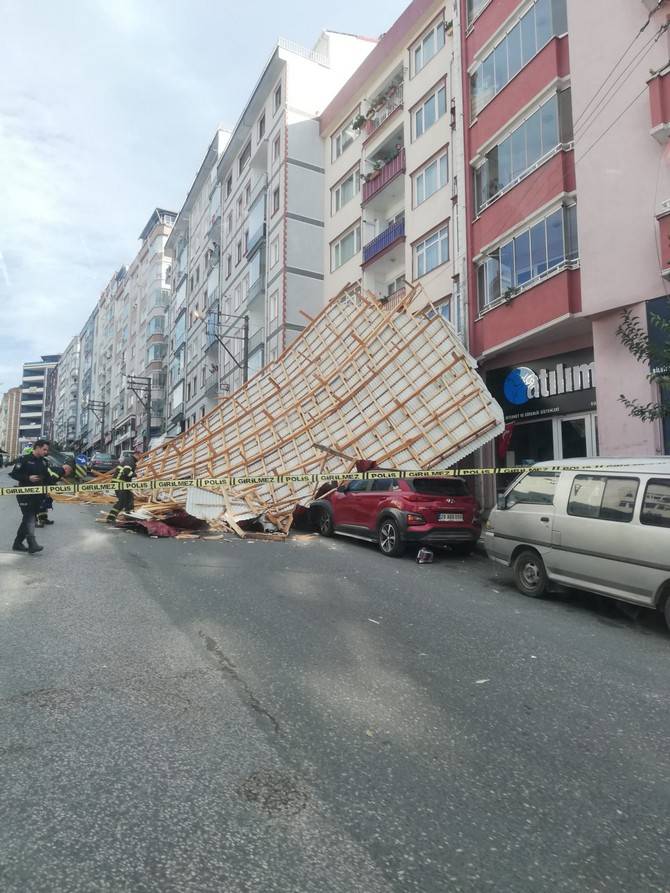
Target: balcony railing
<point>390,106</point>
<point>383,241</point>
<point>394,299</point>
<point>659,100</point>
<point>255,239</point>
<point>311,55</point>
<point>389,172</point>
<point>257,339</point>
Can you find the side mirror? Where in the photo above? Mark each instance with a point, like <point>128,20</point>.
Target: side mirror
<point>501,502</point>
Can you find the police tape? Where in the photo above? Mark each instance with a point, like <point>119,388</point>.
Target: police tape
<point>254,480</point>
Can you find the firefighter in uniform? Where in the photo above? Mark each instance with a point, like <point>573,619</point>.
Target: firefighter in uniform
<point>123,474</point>
<point>30,471</point>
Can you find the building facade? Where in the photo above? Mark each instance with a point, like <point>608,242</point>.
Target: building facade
<point>526,322</point>
<point>66,409</point>
<point>622,131</point>
<point>37,383</point>
<point>394,190</point>
<point>10,412</point>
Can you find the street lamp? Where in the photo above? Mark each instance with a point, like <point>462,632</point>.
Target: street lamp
<point>214,326</point>
<point>140,385</point>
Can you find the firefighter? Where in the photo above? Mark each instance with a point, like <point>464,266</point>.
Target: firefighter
<point>78,474</point>
<point>32,470</point>
<point>123,474</point>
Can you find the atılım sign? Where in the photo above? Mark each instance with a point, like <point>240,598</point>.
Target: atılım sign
<point>550,386</point>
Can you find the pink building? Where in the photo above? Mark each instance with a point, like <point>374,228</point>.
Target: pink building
<point>621,111</point>
<point>568,208</point>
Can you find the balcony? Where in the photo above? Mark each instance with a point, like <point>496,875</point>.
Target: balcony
<point>663,218</point>
<point>389,172</point>
<point>255,239</point>
<point>394,299</point>
<point>383,241</point>
<point>659,100</point>
<point>257,339</point>
<point>391,104</point>
<point>214,232</point>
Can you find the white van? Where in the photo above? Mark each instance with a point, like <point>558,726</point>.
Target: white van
<point>597,524</point>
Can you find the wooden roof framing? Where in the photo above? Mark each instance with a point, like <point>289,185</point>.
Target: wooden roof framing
<point>395,386</point>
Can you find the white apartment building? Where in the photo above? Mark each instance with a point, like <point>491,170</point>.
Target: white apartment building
<point>247,244</point>
<point>10,408</point>
<point>394,196</point>
<point>139,344</point>
<point>85,420</point>
<point>34,386</point>
<point>66,409</point>
<point>194,278</point>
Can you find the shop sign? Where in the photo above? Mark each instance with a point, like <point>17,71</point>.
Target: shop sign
<point>556,385</point>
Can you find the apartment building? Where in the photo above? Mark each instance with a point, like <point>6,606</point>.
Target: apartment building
<point>395,205</point>
<point>66,408</point>
<point>37,380</point>
<point>10,411</point>
<point>194,257</point>
<point>526,322</point>
<point>85,419</point>
<point>140,340</point>
<point>621,104</point>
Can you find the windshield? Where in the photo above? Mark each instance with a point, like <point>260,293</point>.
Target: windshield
<point>103,457</point>
<point>439,486</point>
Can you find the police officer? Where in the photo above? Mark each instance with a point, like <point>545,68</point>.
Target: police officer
<point>78,474</point>
<point>30,471</point>
<point>124,473</point>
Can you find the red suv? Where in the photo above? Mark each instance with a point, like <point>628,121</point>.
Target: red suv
<point>394,512</point>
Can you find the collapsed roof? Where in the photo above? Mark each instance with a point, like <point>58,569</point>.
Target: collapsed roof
<point>392,385</point>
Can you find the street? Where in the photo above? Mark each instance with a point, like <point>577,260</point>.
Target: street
<point>312,716</point>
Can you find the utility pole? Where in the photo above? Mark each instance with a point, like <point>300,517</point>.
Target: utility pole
<point>140,385</point>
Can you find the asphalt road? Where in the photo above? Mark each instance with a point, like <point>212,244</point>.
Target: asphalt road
<point>311,716</point>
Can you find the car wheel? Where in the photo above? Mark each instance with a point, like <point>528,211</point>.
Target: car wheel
<point>463,548</point>
<point>529,574</point>
<point>324,523</point>
<point>390,540</point>
<point>666,611</point>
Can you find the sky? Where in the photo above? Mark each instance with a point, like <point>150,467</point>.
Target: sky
<point>106,111</point>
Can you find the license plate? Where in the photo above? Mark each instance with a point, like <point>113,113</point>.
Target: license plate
<point>450,516</point>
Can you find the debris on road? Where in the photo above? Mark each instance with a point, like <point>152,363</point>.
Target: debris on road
<point>359,381</point>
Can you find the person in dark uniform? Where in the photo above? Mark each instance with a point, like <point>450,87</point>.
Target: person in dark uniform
<point>32,470</point>
<point>124,473</point>
<point>78,475</point>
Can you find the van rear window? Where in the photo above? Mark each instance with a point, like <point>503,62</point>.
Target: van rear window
<point>439,486</point>
<point>656,504</point>
<point>605,498</point>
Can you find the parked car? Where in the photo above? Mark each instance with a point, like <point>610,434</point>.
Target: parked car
<point>102,462</point>
<point>604,529</point>
<point>394,512</point>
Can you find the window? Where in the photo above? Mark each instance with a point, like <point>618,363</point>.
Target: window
<point>276,148</point>
<point>342,139</point>
<point>430,111</point>
<point>383,485</point>
<point>238,253</point>
<point>239,208</point>
<point>432,251</point>
<point>428,46</point>
<point>345,190</point>
<point>275,200</point>
<point>229,265</point>
<point>273,308</point>
<point>247,194</point>
<point>655,510</point>
<point>544,20</point>
<point>276,101</point>
<point>434,176</point>
<point>229,224</point>
<point>607,499</point>
<point>531,254</point>
<point>274,252</point>
<point>229,186</point>
<point>520,152</point>
<point>536,488</point>
<point>475,7</point>
<point>261,127</point>
<point>345,247</point>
